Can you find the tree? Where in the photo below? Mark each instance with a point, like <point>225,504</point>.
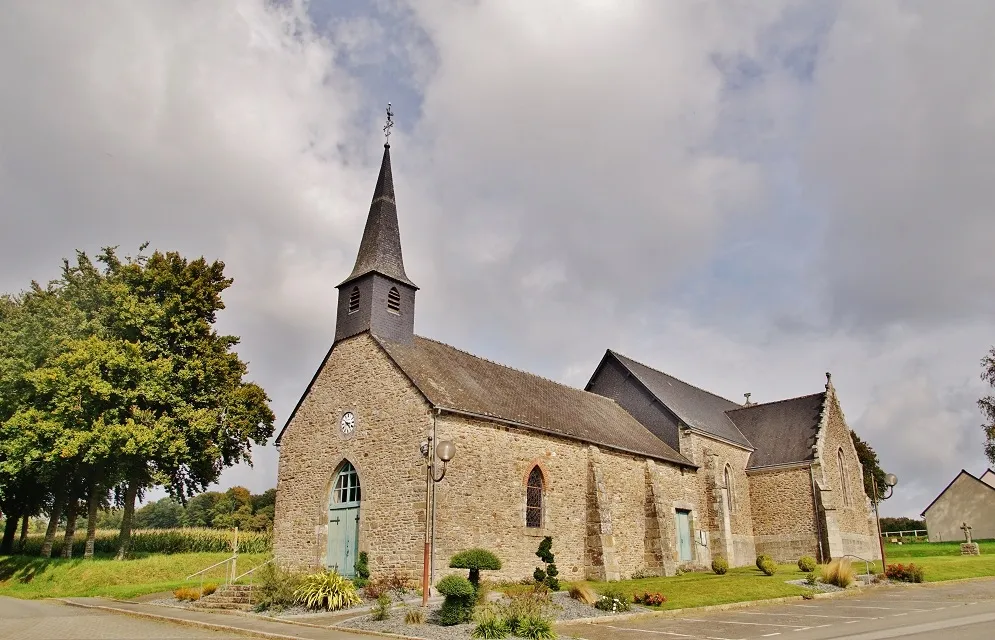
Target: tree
<point>872,471</point>
<point>987,404</point>
<point>165,513</point>
<point>199,511</point>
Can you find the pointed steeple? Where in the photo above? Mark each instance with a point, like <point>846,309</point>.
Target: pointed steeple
<point>380,250</point>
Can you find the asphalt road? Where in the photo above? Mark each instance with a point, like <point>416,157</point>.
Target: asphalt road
<point>41,620</point>
<point>964,611</point>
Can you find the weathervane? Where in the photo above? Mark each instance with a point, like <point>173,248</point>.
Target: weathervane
<point>390,125</point>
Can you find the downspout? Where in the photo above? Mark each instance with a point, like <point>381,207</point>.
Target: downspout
<point>815,507</point>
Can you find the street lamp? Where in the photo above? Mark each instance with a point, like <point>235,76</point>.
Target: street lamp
<point>445,450</point>
<point>890,480</point>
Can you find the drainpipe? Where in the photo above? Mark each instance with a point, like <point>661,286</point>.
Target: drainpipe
<point>815,507</point>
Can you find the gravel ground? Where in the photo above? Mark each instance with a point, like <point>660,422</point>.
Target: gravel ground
<point>822,587</point>
<point>567,609</point>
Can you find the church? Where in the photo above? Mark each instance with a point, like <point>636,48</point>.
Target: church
<point>637,474</point>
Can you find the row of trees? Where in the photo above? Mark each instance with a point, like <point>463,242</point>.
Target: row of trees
<point>113,380</point>
<point>235,507</point>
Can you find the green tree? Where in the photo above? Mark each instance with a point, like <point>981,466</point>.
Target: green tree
<point>165,513</point>
<point>872,470</point>
<point>987,404</point>
<point>199,511</point>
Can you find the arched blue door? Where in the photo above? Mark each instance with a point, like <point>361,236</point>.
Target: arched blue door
<point>343,521</point>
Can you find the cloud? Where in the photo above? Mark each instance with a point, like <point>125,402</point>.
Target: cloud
<point>744,196</point>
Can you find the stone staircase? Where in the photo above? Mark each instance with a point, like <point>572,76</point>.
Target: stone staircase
<point>230,596</point>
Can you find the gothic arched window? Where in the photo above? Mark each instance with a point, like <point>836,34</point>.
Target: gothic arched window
<point>533,499</point>
<point>354,300</point>
<point>843,484</point>
<point>394,300</point>
<point>730,499</point>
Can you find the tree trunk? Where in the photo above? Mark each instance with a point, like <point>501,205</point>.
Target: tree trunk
<point>24,534</point>
<point>124,539</point>
<point>91,521</point>
<point>53,520</point>
<point>9,531</point>
<point>67,543</point>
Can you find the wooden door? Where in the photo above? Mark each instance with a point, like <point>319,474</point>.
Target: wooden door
<point>684,535</point>
<point>343,522</point>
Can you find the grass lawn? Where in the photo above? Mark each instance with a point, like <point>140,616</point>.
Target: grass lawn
<point>703,589</point>
<point>942,560</point>
<point>33,577</point>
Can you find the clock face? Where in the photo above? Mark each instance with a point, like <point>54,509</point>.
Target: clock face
<point>348,423</point>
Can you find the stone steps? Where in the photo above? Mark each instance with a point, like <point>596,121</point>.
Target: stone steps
<point>232,596</point>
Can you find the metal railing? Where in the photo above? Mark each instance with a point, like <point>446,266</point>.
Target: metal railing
<point>229,571</point>
<point>867,563</point>
<point>250,572</point>
<point>902,534</point>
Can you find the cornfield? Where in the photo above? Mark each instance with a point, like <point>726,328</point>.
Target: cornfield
<point>186,540</point>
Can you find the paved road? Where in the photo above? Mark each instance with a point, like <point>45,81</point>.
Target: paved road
<point>37,620</point>
<point>965,611</point>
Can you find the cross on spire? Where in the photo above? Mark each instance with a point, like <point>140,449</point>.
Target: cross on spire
<point>387,127</point>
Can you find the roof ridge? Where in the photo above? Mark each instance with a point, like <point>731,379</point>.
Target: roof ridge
<point>643,364</point>
<point>511,368</point>
<point>764,404</point>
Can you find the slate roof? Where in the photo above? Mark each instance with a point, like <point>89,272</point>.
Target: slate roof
<point>782,432</point>
<point>695,407</point>
<point>380,249</point>
<point>456,380</point>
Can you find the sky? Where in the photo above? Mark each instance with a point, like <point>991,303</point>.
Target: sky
<point>745,195</point>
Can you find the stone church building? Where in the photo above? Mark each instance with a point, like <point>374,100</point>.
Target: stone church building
<point>639,472</point>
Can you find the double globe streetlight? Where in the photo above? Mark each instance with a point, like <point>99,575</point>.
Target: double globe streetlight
<point>445,450</point>
<point>890,480</point>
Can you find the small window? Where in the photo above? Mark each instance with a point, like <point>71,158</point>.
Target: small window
<point>533,499</point>
<point>394,300</point>
<point>730,493</point>
<point>354,300</point>
<point>843,485</point>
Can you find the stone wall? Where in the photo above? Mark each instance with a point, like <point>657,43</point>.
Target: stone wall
<point>730,532</point>
<point>391,420</point>
<point>784,517</point>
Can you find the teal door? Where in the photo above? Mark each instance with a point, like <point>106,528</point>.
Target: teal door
<point>684,535</point>
<point>343,521</point>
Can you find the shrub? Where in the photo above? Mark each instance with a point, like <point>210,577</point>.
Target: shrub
<point>490,624</point>
<point>761,558</point>
<point>326,590</point>
<point>584,593</point>
<point>535,628</point>
<point>811,579</point>
<point>457,607</point>
<point>839,573</point>
<point>613,600</point>
<point>393,582</point>
<point>904,572</point>
<point>362,568</point>
<point>720,565</point>
<point>275,588</point>
<point>806,564</point>
<point>381,610</point>
<point>768,566</point>
<point>548,575</point>
<point>528,604</point>
<point>476,560</point>
<point>187,593</point>
<point>650,599</point>
<point>208,589</point>
<point>414,616</point>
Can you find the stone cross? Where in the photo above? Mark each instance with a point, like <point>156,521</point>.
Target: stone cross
<point>967,532</point>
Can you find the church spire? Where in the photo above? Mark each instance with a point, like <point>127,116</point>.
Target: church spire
<point>380,249</point>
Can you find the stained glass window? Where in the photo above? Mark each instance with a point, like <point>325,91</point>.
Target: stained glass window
<point>533,499</point>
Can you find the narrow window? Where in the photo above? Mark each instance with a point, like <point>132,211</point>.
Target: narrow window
<point>354,300</point>
<point>730,502</point>
<point>533,500</point>
<point>394,301</point>
<point>843,487</point>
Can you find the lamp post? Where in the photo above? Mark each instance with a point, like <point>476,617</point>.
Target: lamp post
<point>445,450</point>
<point>890,481</point>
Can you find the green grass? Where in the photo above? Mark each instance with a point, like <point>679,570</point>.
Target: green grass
<point>32,577</point>
<point>943,561</point>
<point>704,589</point>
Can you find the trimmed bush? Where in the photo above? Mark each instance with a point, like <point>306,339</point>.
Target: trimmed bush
<point>761,558</point>
<point>806,564</point>
<point>720,565</point>
<point>548,575</point>
<point>457,607</point>
<point>839,573</point>
<point>904,572</point>
<point>476,560</point>
<point>768,566</point>
<point>326,590</point>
